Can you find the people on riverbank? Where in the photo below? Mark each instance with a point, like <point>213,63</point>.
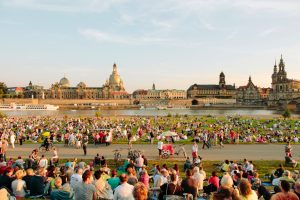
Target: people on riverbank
<point>209,130</point>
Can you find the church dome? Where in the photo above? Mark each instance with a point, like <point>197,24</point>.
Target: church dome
<point>81,84</point>
<point>114,78</point>
<point>64,82</point>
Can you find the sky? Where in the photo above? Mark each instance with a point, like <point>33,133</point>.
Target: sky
<point>172,43</point>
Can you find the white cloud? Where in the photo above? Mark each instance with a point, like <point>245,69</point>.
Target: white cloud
<point>64,5</point>
<point>268,32</point>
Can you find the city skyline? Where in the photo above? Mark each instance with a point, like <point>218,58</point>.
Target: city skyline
<point>173,44</point>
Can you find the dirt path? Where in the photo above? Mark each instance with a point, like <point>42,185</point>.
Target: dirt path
<point>231,152</point>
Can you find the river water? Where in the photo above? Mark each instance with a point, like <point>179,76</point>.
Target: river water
<point>149,112</point>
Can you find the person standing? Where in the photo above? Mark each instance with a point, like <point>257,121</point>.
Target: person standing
<point>151,137</point>
<point>21,138</point>
<point>159,147</point>
<point>12,140</point>
<point>205,140</point>
<point>84,144</point>
<point>221,137</point>
<point>4,148</point>
<point>194,151</point>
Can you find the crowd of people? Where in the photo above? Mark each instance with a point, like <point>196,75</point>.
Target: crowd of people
<point>38,176</point>
<point>210,130</point>
<point>136,180</point>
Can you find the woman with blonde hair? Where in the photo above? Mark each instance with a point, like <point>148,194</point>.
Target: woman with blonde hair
<point>18,185</point>
<point>246,193</point>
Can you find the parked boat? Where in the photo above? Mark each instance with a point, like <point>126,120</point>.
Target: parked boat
<point>14,106</point>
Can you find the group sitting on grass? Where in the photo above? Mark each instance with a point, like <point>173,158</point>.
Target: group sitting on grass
<point>141,129</point>
<point>94,179</point>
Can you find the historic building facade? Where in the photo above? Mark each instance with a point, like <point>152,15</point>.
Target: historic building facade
<point>283,88</point>
<point>159,94</point>
<point>220,91</point>
<point>251,94</point>
<point>112,89</point>
<point>34,91</point>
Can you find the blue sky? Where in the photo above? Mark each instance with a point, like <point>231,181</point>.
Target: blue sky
<point>173,43</point>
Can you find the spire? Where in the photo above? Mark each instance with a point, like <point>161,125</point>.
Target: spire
<point>153,86</point>
<point>281,64</point>
<point>115,68</point>
<point>275,67</point>
<point>250,80</point>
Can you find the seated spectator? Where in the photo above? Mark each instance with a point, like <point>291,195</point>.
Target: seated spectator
<point>226,193</point>
<point>199,178</point>
<point>255,181</point>
<point>246,193</point>
<point>76,179</point>
<point>27,178</point>
<point>188,184</point>
<point>187,164</point>
<point>97,160</point>
<point>114,181</point>
<point>132,179</point>
<point>250,167</point>
<point>81,164</point>
<point>103,189</point>
<point>85,189</point>
<point>124,190</point>
<point>144,177</point>
<point>287,177</point>
<point>225,166</point>
<point>263,193</point>
<point>18,185</point>
<point>161,178</point>
<point>103,161</point>
<point>201,171</point>
<point>285,192</point>
<point>278,172</point>
<point>63,175</point>
<point>290,161</point>
<point>172,188</point>
<point>43,163</point>
<point>20,162</point>
<point>38,183</point>
<point>61,192</point>
<point>227,181</point>
<point>297,189</point>
<point>140,192</point>
<point>6,178</point>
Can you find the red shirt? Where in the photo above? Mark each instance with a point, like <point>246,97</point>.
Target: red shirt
<point>214,180</point>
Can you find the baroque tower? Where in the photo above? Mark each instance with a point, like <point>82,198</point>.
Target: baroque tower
<point>222,82</point>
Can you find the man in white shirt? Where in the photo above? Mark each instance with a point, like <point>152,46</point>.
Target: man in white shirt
<point>76,179</point>
<point>43,163</point>
<point>124,190</point>
<point>159,147</point>
<point>250,167</point>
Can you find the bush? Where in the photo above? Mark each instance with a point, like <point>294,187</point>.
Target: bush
<point>169,115</point>
<point>286,113</point>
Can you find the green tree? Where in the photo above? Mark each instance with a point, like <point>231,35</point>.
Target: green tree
<point>286,113</point>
